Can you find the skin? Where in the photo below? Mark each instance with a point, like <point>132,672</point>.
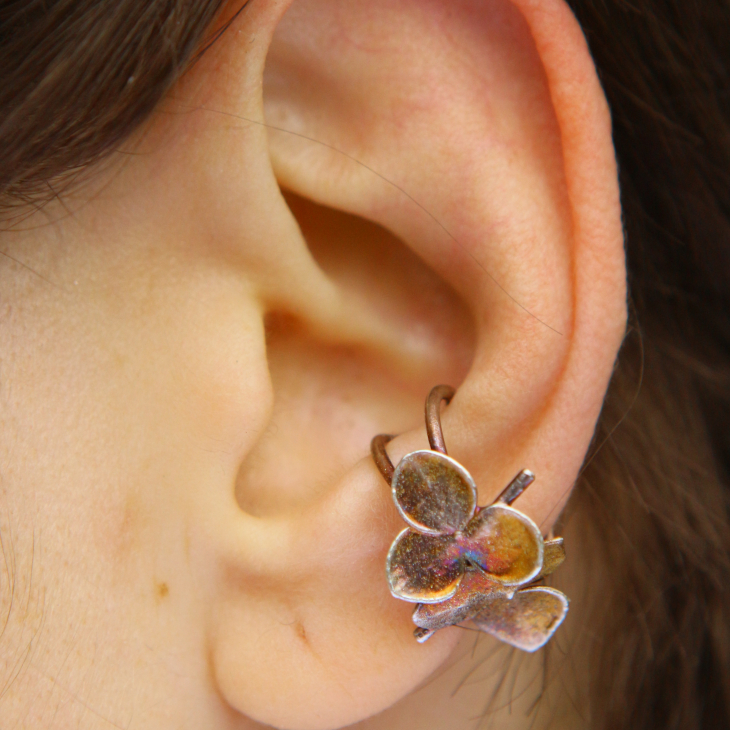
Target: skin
<point>193,365</point>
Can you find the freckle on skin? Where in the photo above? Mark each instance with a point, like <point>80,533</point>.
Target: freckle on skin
<point>162,590</point>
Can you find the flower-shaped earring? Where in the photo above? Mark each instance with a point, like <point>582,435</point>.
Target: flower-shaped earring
<point>460,562</point>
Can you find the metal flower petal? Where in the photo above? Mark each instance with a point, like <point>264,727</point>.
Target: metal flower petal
<point>505,543</point>
<point>527,620</point>
<point>459,562</point>
<point>473,593</point>
<point>423,568</point>
<point>553,556</point>
<point>434,493</point>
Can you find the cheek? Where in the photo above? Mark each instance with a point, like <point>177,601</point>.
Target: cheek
<point>138,388</point>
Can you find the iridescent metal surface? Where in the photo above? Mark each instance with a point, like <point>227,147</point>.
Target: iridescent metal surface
<point>504,543</point>
<point>474,592</point>
<point>459,562</point>
<point>527,620</point>
<point>437,496</point>
<point>434,493</point>
<point>423,568</point>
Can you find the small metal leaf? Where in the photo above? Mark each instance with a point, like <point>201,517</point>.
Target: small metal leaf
<point>553,556</point>
<point>525,621</point>
<point>505,543</point>
<point>423,568</point>
<point>434,493</point>
<point>435,616</point>
<point>474,591</point>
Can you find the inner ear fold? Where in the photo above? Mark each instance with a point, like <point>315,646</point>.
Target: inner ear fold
<point>330,396</point>
<point>435,120</point>
<point>376,268</point>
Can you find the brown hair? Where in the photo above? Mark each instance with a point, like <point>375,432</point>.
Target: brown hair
<point>658,492</point>
<point>78,76</point>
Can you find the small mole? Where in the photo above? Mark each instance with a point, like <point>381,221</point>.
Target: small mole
<point>162,590</point>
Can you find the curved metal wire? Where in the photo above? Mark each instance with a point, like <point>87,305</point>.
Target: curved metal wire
<point>433,416</point>
<point>380,456</point>
<point>433,428</point>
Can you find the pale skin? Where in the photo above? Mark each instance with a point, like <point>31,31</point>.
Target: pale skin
<point>193,365</point>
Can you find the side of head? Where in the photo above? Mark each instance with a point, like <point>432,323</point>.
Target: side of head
<point>338,206</point>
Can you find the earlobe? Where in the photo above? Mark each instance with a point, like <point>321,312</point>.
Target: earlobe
<point>456,145</point>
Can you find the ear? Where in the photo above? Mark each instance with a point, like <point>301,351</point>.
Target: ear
<point>451,170</point>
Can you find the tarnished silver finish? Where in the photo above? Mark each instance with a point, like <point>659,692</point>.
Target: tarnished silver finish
<point>422,635</point>
<point>459,562</point>
<point>504,543</point>
<point>553,556</point>
<point>516,487</point>
<point>423,568</point>
<point>527,620</point>
<point>448,502</point>
<point>476,592</point>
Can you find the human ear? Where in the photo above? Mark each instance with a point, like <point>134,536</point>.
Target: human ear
<point>476,133</point>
